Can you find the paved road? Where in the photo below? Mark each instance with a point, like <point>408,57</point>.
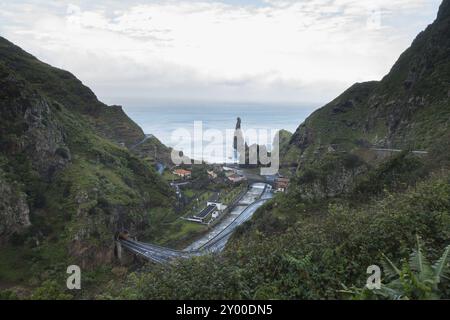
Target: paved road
<point>398,150</point>
<point>216,244</point>
<point>147,136</point>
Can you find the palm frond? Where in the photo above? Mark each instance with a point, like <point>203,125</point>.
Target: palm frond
<point>445,277</point>
<point>303,263</point>
<point>440,268</point>
<point>389,292</point>
<point>418,261</point>
<point>389,268</point>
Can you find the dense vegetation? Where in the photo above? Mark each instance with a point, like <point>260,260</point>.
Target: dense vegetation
<point>417,278</point>
<point>407,109</point>
<point>349,205</point>
<point>68,182</point>
<point>312,249</point>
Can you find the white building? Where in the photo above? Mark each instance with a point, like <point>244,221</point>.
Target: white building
<point>219,206</point>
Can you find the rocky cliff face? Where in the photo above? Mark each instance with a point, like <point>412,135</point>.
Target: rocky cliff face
<point>28,126</point>
<point>65,178</point>
<point>154,150</point>
<point>329,185</point>
<point>409,108</point>
<point>31,137</point>
<point>14,210</point>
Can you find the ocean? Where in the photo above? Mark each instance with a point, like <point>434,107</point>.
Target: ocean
<point>173,124</point>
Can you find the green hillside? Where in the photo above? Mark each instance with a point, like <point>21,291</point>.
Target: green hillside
<point>348,206</point>
<point>73,172</point>
<point>407,109</point>
<point>67,181</point>
<point>61,86</point>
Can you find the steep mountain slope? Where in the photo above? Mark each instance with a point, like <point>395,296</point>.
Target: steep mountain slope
<point>154,150</point>
<point>348,206</point>
<point>409,108</point>
<point>67,182</point>
<point>62,87</point>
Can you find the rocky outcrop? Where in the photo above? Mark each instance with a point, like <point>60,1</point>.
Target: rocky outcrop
<point>14,210</point>
<point>249,156</point>
<point>238,138</point>
<point>31,143</point>
<point>332,185</point>
<point>330,176</point>
<point>303,137</point>
<point>153,149</point>
<point>28,127</point>
<point>92,236</point>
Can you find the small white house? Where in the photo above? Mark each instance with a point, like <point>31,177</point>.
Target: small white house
<point>219,206</point>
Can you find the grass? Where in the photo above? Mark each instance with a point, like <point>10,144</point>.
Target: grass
<point>169,176</point>
<point>182,233</point>
<point>228,196</point>
<point>179,233</point>
<point>14,267</point>
<point>102,188</point>
<point>189,193</point>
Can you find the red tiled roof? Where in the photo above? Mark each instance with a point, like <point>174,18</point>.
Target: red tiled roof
<point>182,172</point>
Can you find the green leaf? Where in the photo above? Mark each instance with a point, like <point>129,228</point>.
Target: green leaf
<point>440,267</point>
<point>389,267</point>
<point>419,263</point>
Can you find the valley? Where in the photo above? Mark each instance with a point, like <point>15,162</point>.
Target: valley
<point>362,181</point>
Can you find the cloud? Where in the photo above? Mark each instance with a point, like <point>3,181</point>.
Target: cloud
<point>277,50</point>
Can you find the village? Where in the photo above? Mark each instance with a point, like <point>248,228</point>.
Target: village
<point>206,193</point>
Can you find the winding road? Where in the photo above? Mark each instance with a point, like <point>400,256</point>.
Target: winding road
<point>215,244</point>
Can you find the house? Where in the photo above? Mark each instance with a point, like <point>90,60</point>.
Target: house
<point>219,206</point>
<point>281,184</point>
<point>182,173</point>
<point>228,169</point>
<point>235,178</point>
<point>229,173</point>
<point>212,174</point>
<point>211,212</point>
<point>206,214</point>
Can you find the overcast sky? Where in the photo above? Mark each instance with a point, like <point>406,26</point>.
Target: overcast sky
<point>137,52</point>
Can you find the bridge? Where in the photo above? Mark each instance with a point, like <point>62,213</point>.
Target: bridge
<point>216,244</point>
